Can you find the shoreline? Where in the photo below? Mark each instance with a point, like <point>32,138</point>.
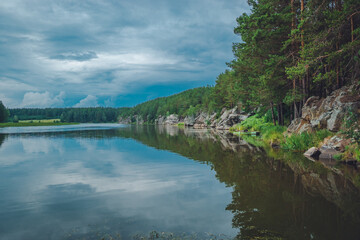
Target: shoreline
<point>35,124</point>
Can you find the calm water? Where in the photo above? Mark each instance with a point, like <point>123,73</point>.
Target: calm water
<point>102,181</point>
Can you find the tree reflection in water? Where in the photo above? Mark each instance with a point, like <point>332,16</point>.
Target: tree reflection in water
<point>275,194</point>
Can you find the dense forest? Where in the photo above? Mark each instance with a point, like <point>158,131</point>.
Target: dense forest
<point>291,50</point>
<point>186,103</point>
<point>287,52</point>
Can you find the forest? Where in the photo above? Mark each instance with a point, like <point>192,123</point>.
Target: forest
<point>287,51</point>
<point>291,50</point>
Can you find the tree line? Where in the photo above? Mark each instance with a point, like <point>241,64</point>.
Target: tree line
<point>186,103</point>
<point>82,115</point>
<point>4,113</point>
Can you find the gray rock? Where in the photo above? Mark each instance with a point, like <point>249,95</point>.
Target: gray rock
<point>313,153</point>
<point>327,153</point>
<point>336,119</point>
<point>327,113</point>
<point>189,121</point>
<point>172,119</point>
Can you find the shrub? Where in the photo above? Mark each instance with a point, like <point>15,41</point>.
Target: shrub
<point>273,134</point>
<point>352,152</point>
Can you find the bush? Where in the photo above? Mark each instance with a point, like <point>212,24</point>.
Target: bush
<point>253,123</point>
<point>351,125</point>
<point>352,152</point>
<point>269,132</point>
<point>273,134</point>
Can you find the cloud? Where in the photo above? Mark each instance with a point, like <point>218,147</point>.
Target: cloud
<point>89,101</point>
<point>113,48</point>
<point>85,56</point>
<point>38,99</point>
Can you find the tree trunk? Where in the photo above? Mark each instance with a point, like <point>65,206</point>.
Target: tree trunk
<point>293,49</point>
<point>281,114</point>
<point>352,28</point>
<point>302,48</point>
<point>272,113</point>
<point>278,116</point>
<point>302,19</point>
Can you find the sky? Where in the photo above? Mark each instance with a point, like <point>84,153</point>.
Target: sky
<point>112,53</point>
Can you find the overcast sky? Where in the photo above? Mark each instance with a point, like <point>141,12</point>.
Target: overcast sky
<point>64,53</point>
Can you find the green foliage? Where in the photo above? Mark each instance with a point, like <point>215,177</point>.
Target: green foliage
<point>187,103</point>
<point>305,140</point>
<point>352,152</point>
<point>254,123</point>
<point>273,134</point>
<point>15,119</point>
<point>4,114</point>
<point>351,125</point>
<point>269,132</point>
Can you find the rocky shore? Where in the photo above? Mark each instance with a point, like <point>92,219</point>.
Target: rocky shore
<point>329,113</point>
<point>227,119</point>
<point>317,113</point>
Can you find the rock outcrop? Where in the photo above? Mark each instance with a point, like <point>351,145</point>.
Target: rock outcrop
<point>227,119</point>
<point>126,120</point>
<point>327,113</point>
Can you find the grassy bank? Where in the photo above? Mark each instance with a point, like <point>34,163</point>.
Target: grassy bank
<point>56,120</point>
<point>274,135</point>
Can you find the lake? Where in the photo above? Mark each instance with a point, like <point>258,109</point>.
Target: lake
<point>111,181</point>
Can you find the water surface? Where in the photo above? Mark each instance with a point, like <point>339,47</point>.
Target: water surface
<point>94,181</point>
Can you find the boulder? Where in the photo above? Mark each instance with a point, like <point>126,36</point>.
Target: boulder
<point>327,153</point>
<point>313,153</point>
<point>189,121</point>
<point>172,119</point>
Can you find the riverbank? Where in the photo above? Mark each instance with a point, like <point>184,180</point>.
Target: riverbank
<point>34,123</point>
<point>326,128</point>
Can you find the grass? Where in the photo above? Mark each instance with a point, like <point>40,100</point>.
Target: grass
<point>352,151</point>
<point>275,134</point>
<point>181,124</point>
<point>304,141</point>
<point>40,121</point>
<point>269,132</point>
<point>253,123</point>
